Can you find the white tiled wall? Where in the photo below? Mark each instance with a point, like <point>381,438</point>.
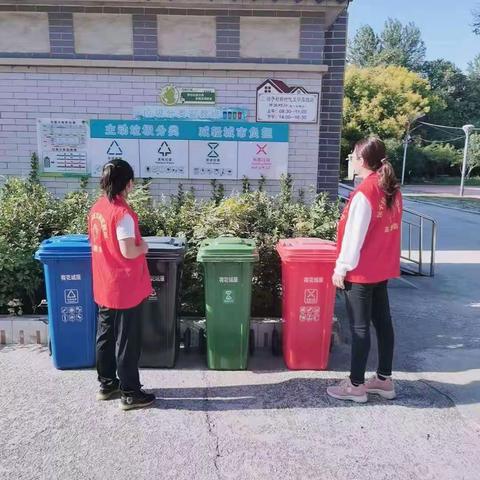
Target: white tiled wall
<point>28,93</point>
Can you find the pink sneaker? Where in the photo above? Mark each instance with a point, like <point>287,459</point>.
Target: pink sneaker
<point>384,388</point>
<point>346,391</point>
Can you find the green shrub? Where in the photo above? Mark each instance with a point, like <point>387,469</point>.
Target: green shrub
<point>142,203</point>
<point>28,214</point>
<point>423,161</point>
<point>441,159</point>
<point>74,211</point>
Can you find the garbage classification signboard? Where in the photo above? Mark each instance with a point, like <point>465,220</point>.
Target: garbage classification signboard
<point>191,149</point>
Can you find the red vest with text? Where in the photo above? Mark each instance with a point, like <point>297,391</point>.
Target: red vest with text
<point>380,254</point>
<point>118,282</point>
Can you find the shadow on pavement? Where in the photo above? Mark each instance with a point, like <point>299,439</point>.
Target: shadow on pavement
<point>294,393</point>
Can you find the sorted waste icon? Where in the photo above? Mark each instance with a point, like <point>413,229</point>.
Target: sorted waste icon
<point>164,149</point>
<point>114,149</point>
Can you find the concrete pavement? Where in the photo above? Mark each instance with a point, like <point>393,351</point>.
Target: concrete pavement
<point>269,422</point>
<point>264,423</point>
<point>438,328</point>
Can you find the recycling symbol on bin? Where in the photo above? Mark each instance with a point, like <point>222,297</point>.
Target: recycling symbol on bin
<point>311,296</point>
<point>228,296</point>
<point>71,296</point>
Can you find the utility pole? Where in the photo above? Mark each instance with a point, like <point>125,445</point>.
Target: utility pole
<point>406,141</point>
<point>405,149</point>
<point>467,129</point>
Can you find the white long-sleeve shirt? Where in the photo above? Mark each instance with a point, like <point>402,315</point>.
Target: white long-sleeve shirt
<point>358,221</point>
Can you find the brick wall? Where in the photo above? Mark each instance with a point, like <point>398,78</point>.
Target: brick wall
<point>331,106</point>
<point>145,41</point>
<point>28,93</point>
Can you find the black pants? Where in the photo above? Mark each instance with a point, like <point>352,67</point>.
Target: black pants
<point>119,337</point>
<point>369,303</point>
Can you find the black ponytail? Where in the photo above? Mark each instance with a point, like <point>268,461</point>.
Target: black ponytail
<point>373,152</point>
<point>115,177</point>
<point>388,181</point>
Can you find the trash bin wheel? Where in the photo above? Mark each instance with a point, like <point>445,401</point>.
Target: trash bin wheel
<point>251,342</point>
<point>276,345</point>
<point>187,340</point>
<point>202,341</point>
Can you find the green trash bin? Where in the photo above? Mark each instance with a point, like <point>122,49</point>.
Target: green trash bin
<point>228,265</point>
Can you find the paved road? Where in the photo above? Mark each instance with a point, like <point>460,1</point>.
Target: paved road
<point>438,324</point>
<point>441,190</point>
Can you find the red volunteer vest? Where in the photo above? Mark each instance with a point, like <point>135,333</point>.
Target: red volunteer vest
<point>118,282</point>
<point>380,254</point>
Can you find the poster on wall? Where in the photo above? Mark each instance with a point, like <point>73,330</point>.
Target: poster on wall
<point>102,150</point>
<point>164,158</point>
<point>171,95</point>
<point>257,159</point>
<point>62,146</point>
<point>191,149</point>
<point>213,159</point>
<point>277,102</point>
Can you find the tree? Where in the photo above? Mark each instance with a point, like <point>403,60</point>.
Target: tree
<point>402,45</point>
<point>473,68</point>
<point>451,86</point>
<point>445,77</point>
<point>473,159</point>
<point>440,158</point>
<point>476,22</point>
<point>383,100</point>
<point>364,48</point>
<point>397,44</point>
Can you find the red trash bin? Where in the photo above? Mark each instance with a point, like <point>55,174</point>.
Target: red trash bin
<point>308,301</point>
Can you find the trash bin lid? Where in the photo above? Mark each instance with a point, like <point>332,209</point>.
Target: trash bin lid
<point>232,249</point>
<point>64,246</point>
<point>307,249</point>
<point>165,247</point>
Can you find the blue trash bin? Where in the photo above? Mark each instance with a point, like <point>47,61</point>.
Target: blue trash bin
<point>72,313</point>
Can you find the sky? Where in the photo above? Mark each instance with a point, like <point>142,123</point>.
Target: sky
<point>445,24</point>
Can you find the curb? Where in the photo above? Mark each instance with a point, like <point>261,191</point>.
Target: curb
<point>30,330</point>
<point>441,206</point>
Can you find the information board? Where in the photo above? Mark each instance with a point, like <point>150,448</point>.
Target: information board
<point>62,146</point>
<point>191,149</point>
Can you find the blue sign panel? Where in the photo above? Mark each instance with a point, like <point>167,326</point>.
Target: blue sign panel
<point>189,130</point>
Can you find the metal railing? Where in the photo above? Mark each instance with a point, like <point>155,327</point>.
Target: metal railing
<point>417,228</point>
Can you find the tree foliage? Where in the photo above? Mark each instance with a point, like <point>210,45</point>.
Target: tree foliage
<point>398,44</point>
<point>452,87</point>
<point>382,100</point>
<point>473,158</point>
<point>476,21</point>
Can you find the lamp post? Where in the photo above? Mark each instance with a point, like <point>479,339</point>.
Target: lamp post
<point>467,129</point>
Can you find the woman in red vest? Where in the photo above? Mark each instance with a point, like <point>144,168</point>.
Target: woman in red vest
<point>369,255</point>
<point>121,282</point>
